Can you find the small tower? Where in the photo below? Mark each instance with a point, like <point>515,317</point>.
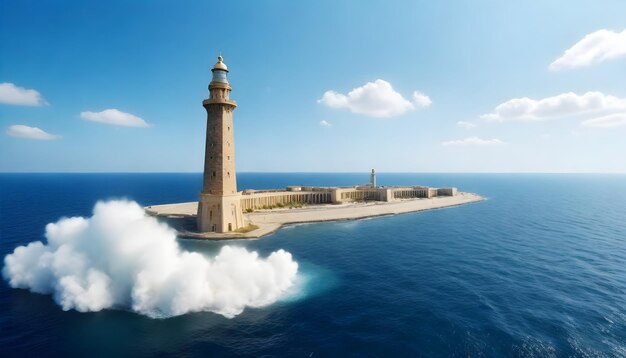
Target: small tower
<point>373,179</point>
<point>219,208</point>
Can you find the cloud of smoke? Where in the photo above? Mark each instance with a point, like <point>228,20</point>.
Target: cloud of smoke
<point>122,258</point>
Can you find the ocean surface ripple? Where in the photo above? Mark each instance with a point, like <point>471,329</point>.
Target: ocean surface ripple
<point>537,270</point>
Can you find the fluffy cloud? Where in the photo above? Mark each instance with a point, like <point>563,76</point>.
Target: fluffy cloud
<point>122,258</point>
<point>325,123</point>
<point>19,96</point>
<point>466,125</point>
<point>421,99</point>
<point>610,121</point>
<point>594,48</point>
<point>114,117</point>
<point>374,99</point>
<point>566,104</point>
<point>473,141</point>
<point>22,131</point>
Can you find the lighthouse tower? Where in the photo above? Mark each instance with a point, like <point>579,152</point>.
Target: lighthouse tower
<point>219,208</point>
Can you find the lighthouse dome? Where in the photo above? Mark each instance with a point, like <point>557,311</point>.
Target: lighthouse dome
<point>220,65</point>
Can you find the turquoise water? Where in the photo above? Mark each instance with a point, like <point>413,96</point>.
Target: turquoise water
<point>538,269</point>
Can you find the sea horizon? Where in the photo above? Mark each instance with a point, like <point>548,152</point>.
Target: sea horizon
<point>303,172</point>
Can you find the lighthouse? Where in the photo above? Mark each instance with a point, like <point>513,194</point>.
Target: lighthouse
<point>219,207</point>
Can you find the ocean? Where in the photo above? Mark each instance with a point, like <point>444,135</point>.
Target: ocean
<point>536,270</point>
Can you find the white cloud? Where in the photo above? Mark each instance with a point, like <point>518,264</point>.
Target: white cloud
<point>466,125</point>
<point>19,96</point>
<point>421,99</point>
<point>594,48</point>
<point>114,117</point>
<point>566,104</point>
<point>121,258</point>
<point>22,131</point>
<point>325,123</point>
<point>374,99</point>
<point>473,141</point>
<point>610,121</point>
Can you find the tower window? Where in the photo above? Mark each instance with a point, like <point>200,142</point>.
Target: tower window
<point>213,173</point>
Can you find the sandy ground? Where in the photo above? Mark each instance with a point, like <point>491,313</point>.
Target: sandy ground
<point>182,215</point>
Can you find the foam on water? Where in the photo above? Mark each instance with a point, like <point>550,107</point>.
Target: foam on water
<point>121,257</point>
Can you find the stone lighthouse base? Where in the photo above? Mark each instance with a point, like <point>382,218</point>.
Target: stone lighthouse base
<point>219,213</point>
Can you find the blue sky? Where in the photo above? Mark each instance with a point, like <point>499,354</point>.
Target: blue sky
<point>500,68</point>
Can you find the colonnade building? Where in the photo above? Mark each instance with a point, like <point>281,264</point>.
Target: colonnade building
<point>221,206</point>
<point>252,200</point>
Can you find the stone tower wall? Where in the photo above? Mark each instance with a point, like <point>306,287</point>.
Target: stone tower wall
<point>219,165</point>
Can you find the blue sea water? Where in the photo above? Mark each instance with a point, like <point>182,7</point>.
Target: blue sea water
<point>538,269</point>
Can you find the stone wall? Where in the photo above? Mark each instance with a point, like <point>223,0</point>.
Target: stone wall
<point>266,200</point>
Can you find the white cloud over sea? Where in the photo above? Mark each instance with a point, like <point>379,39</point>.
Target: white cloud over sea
<point>325,123</point>
<point>473,141</point>
<point>375,99</point>
<point>114,117</point>
<point>596,47</point>
<point>124,259</point>
<point>20,96</point>
<point>587,106</point>
<point>466,125</point>
<point>26,132</point>
<point>610,121</point>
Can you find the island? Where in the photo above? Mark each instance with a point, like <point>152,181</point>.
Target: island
<point>222,212</point>
<point>261,222</point>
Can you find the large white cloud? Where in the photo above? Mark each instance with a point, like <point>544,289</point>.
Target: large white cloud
<point>374,99</point>
<point>473,141</point>
<point>114,117</point>
<point>594,48</point>
<point>566,104</point>
<point>19,96</point>
<point>22,131</point>
<point>122,258</point>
